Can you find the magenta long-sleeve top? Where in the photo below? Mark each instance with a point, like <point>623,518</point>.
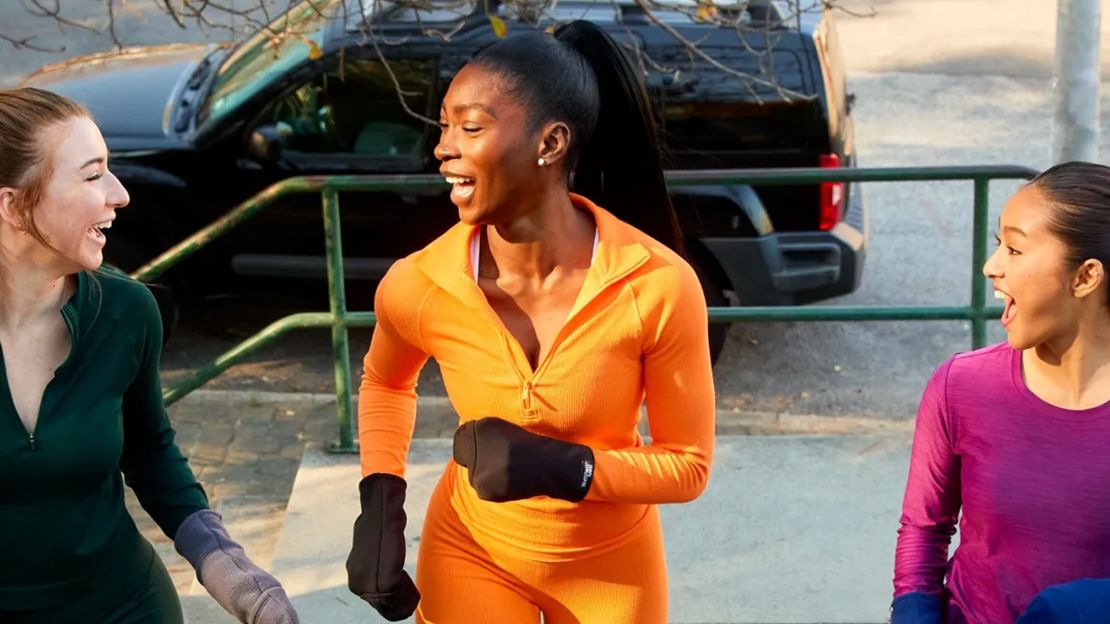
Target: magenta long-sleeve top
<point>1029,482</point>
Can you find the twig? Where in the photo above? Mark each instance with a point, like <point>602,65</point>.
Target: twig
<point>787,94</point>
<point>112,24</point>
<point>641,54</point>
<point>56,15</point>
<point>173,14</point>
<point>388,68</point>
<point>836,7</point>
<point>26,43</point>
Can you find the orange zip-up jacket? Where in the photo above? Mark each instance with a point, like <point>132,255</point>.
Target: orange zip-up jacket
<point>637,331</point>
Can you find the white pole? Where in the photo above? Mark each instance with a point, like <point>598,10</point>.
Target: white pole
<point>1076,77</point>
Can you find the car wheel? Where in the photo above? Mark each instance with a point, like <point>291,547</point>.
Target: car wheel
<point>714,298</point>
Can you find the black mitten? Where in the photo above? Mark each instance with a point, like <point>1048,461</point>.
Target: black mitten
<point>508,463</point>
<point>375,567</point>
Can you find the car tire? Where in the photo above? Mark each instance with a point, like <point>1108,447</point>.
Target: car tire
<point>714,298</point>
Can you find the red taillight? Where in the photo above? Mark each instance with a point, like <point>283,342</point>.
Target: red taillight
<point>832,195</point>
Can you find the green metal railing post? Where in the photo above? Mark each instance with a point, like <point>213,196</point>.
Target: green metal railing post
<point>338,298</point>
<point>978,259</point>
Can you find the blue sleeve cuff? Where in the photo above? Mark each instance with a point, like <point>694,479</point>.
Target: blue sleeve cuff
<point>1084,600</point>
<point>916,608</point>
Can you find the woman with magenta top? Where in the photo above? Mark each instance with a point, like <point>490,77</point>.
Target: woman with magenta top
<point>1013,441</point>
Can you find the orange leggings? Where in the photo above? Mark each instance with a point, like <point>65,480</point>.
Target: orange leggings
<point>461,583</point>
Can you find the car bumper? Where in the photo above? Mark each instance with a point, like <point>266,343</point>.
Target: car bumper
<point>793,268</point>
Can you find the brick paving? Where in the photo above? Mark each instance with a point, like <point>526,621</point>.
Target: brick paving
<point>245,453</point>
<point>245,450</point>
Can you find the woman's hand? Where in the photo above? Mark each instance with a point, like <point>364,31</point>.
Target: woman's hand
<point>246,591</point>
<point>507,462</point>
<point>376,566</point>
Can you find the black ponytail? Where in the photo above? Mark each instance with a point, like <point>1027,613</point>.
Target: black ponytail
<point>583,78</point>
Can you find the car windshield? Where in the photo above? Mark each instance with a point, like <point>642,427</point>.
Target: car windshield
<point>267,55</point>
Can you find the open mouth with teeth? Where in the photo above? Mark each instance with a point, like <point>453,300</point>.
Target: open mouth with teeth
<point>1011,308</point>
<point>461,188</point>
<point>96,232</point>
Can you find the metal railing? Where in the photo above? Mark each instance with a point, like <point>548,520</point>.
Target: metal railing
<point>339,319</point>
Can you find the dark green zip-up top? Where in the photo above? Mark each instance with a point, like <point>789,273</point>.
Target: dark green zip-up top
<point>64,530</point>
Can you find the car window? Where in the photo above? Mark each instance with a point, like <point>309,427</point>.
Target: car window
<point>354,109</point>
<point>708,110</point>
<point>266,57</point>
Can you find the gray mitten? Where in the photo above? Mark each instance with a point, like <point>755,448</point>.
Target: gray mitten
<point>242,588</point>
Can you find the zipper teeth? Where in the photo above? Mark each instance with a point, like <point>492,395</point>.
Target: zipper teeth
<point>526,396</point>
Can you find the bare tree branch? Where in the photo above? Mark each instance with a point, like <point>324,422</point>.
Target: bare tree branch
<point>385,63</point>
<point>112,23</point>
<point>168,8</point>
<point>56,15</point>
<point>836,7</point>
<point>203,12</point>
<point>256,18</point>
<point>26,43</point>
<point>787,94</point>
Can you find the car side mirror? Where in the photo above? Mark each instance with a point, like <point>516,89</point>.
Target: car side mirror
<point>266,142</point>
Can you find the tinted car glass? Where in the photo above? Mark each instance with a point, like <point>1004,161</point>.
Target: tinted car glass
<point>267,57</point>
<point>354,108</point>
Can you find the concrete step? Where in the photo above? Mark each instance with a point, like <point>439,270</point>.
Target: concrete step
<point>792,529</point>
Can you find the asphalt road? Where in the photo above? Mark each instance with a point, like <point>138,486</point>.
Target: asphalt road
<point>954,82</point>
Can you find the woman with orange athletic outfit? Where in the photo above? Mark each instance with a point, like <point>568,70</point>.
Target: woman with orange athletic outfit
<point>553,321</point>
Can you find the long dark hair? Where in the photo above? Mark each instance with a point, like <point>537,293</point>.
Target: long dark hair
<point>582,77</point>
<point>1080,194</point>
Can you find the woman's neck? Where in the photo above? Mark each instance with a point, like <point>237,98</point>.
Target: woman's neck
<point>29,291</point>
<point>552,234</point>
<point>1073,371</point>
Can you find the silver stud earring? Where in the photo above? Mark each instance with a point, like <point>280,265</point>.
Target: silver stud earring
<point>541,162</point>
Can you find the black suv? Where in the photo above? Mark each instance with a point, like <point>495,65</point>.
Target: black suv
<point>196,129</point>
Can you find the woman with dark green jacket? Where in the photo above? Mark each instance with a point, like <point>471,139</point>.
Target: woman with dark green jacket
<point>81,408</point>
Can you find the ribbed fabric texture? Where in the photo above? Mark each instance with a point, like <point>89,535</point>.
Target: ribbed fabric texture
<point>1031,480</point>
<point>638,329</point>
<point>465,578</point>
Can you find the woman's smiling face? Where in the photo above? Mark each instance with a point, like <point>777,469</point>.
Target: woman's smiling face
<point>1031,275</point>
<point>488,147</point>
<point>80,197</point>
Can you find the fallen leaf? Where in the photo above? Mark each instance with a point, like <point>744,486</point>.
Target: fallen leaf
<point>706,12</point>
<point>314,51</point>
<point>499,27</point>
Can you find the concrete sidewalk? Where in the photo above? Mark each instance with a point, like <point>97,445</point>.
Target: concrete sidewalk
<point>793,528</point>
